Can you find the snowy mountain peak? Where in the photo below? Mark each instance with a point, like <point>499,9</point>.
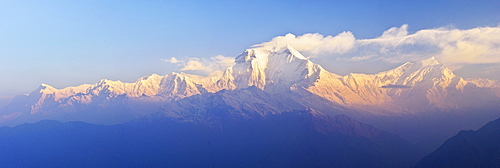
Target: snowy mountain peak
<point>276,70</point>
<point>263,52</point>
<point>45,85</point>
<point>178,85</point>
<point>277,66</point>
<point>46,89</point>
<point>108,82</point>
<point>152,76</point>
<point>428,62</point>
<point>292,51</point>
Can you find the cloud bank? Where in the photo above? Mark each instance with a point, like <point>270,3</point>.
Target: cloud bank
<point>472,52</point>
<point>202,66</point>
<point>453,47</point>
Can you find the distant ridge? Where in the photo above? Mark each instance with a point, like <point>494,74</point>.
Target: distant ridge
<point>423,102</point>
<point>303,138</point>
<point>276,69</point>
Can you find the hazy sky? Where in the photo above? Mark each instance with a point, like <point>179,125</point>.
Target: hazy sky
<point>67,43</point>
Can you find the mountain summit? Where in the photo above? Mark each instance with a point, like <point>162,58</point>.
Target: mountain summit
<point>277,70</point>
<point>270,67</point>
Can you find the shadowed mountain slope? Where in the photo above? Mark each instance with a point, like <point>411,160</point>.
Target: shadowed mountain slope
<point>301,138</point>
<point>479,148</point>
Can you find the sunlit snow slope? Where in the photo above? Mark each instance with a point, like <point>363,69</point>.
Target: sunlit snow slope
<point>276,70</point>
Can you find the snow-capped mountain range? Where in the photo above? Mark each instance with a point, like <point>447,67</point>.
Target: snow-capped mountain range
<point>276,71</point>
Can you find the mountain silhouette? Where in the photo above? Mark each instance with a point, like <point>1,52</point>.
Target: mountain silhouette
<point>479,148</point>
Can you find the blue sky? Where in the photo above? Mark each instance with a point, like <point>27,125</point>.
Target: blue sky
<point>67,43</point>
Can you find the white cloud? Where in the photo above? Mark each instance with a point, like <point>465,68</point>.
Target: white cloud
<point>395,32</point>
<point>193,64</point>
<point>453,47</point>
<point>203,66</point>
<point>171,60</point>
<point>316,44</point>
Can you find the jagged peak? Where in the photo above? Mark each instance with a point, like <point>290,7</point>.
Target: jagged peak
<point>43,84</point>
<point>428,62</point>
<point>398,70</point>
<point>295,53</point>
<point>110,83</point>
<point>177,74</point>
<point>181,75</point>
<point>264,51</point>
<point>44,88</point>
<point>412,66</point>
<point>103,81</point>
<point>179,78</point>
<point>406,64</point>
<point>152,76</point>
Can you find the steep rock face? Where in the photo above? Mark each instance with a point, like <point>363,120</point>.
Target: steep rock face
<point>271,68</point>
<point>178,86</point>
<point>145,86</point>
